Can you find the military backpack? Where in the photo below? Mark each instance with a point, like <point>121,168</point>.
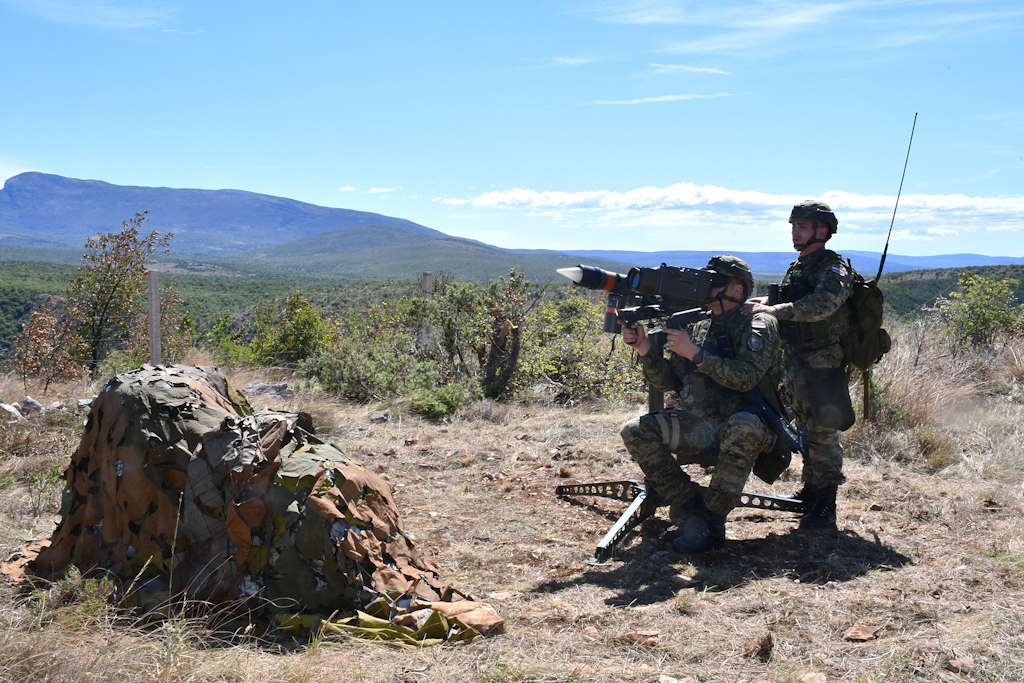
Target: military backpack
<point>865,340</point>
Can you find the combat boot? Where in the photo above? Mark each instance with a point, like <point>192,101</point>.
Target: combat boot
<point>819,507</point>
<point>699,528</point>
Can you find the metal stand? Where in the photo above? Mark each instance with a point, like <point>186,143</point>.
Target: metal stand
<point>643,504</point>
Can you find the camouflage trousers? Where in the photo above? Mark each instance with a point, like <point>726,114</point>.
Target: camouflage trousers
<point>823,459</point>
<point>660,442</point>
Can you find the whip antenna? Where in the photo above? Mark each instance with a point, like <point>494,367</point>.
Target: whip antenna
<point>898,193</point>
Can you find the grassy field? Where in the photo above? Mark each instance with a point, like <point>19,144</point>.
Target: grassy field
<point>928,565</point>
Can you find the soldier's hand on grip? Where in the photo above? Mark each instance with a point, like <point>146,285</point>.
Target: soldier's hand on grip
<point>636,336</point>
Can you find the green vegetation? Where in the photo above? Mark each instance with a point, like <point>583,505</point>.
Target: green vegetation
<point>980,308</point>
<point>906,293</point>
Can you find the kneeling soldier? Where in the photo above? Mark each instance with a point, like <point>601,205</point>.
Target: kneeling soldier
<point>710,367</point>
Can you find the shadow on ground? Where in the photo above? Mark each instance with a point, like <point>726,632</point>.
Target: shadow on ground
<point>645,574</point>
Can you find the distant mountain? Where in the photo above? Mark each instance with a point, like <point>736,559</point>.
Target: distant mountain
<point>48,218</point>
<point>376,251</point>
<point>38,207</point>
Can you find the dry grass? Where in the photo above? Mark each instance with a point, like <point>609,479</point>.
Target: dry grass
<point>934,561</point>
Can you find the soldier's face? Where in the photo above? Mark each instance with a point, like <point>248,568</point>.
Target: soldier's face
<point>734,290</point>
<point>802,230</point>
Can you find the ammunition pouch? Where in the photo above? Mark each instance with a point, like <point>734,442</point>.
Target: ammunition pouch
<point>769,466</point>
<point>804,336</point>
<point>807,336</point>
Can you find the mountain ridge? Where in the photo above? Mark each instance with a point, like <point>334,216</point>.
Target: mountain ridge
<point>48,217</point>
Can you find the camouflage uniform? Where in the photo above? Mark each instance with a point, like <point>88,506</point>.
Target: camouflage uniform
<point>710,426</point>
<point>811,322</point>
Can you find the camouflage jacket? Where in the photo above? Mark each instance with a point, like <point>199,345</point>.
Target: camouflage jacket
<point>812,315</point>
<point>741,352</point>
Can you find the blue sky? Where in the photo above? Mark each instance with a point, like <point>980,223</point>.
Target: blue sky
<point>611,124</point>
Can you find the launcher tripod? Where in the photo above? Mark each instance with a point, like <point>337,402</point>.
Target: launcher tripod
<point>643,504</point>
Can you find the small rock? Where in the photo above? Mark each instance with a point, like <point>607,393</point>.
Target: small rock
<point>390,451</point>
<point>760,648</point>
<point>564,472</point>
<point>812,677</point>
<point>591,633</point>
<point>876,507</point>
<point>508,595</point>
<point>861,632</point>
<point>642,638</point>
<point>410,441</point>
<point>56,405</point>
<point>960,665</point>
<point>83,404</point>
<point>12,412</point>
<point>380,416</point>
<point>29,405</point>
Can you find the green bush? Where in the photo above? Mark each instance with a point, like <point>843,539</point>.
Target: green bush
<point>566,349</point>
<point>225,341</point>
<point>438,402</point>
<point>980,308</point>
<point>297,333</point>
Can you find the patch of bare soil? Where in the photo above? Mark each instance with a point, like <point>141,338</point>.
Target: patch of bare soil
<point>925,580</point>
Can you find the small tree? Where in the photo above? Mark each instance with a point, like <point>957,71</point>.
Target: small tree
<point>507,304</point>
<point>48,346</point>
<point>298,333</point>
<point>980,308</point>
<point>109,285</point>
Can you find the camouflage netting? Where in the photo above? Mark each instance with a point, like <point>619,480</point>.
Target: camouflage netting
<point>176,478</point>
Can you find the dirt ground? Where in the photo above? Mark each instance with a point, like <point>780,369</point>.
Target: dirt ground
<point>925,580</point>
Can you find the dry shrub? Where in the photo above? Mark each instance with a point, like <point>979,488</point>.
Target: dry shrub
<point>919,381</point>
<point>1012,358</point>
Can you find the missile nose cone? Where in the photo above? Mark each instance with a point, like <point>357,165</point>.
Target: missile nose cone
<point>575,273</point>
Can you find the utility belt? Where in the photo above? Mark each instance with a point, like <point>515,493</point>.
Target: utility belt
<point>807,336</point>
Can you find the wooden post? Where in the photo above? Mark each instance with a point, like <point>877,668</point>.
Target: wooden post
<point>427,284</point>
<point>155,353</point>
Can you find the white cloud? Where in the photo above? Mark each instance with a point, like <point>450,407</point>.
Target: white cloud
<point>751,214</point>
<point>760,26</point>
<point>108,14</point>
<point>346,188</point>
<point>660,99</point>
<point>382,190</point>
<point>572,61</point>
<point>686,68</point>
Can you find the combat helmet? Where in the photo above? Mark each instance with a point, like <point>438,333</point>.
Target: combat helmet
<point>812,209</point>
<point>734,266</point>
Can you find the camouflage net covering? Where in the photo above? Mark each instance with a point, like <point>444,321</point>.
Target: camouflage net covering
<point>179,487</point>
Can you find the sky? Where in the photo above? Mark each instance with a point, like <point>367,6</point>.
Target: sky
<point>566,124</point>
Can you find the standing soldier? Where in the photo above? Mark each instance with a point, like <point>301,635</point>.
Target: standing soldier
<point>710,366</point>
<point>812,319</point>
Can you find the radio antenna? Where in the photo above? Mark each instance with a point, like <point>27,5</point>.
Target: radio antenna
<point>885,251</point>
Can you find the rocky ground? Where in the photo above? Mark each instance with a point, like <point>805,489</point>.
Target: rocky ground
<point>925,580</point>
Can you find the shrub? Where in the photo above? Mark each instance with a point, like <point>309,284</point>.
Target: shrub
<point>980,308</point>
<point>225,340</point>
<point>438,402</point>
<point>297,333</point>
<point>49,347</point>
<point>567,351</point>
